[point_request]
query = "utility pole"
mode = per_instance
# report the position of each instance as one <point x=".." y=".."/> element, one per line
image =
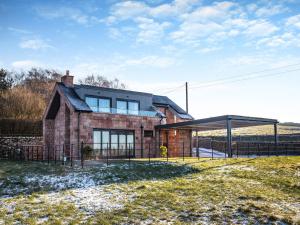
<point x="186" y="97"/>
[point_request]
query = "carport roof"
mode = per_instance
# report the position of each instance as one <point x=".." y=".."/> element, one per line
<point x="219" y="123"/>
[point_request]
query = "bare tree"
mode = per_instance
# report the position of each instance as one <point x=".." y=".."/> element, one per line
<point x="101" y="81"/>
<point x="6" y="80"/>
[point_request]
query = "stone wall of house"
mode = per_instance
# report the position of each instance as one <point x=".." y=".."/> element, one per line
<point x="90" y="121"/>
<point x="55" y="130"/>
<point x="179" y="141"/>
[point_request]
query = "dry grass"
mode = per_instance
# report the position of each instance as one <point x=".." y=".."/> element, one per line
<point x="232" y="191"/>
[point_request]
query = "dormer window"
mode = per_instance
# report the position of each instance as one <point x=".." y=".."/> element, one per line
<point x="128" y="107"/>
<point x="98" y="104"/>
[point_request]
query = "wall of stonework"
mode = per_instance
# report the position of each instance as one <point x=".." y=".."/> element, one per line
<point x="18" y="141"/>
<point x="54" y="130"/>
<point x="90" y="121"/>
<point x="176" y="138"/>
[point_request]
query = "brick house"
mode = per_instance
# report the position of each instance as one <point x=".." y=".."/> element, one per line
<point x="114" y="119"/>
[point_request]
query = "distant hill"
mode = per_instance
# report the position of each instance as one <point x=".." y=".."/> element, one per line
<point x="283" y="129"/>
<point x="290" y="124"/>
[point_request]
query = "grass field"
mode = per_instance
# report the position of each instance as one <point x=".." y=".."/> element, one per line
<point x="232" y="191"/>
<point x="283" y="129"/>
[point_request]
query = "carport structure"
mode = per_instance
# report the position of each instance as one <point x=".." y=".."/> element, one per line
<point x="226" y="122"/>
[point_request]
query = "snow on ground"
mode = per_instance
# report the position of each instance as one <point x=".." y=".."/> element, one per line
<point x="91" y="199"/>
<point x="229" y="168"/>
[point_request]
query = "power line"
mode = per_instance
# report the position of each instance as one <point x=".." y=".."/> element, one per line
<point x="232" y="78"/>
<point x="174" y="89"/>
<point x="247" y="74"/>
<point x="246" y="78"/>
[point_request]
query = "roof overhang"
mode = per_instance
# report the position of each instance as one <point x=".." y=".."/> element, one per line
<point x="218" y="123"/>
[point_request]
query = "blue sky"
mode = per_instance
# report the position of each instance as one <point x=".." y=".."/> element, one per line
<point x="157" y="45"/>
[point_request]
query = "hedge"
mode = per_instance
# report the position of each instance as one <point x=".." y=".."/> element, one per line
<point x="13" y="127"/>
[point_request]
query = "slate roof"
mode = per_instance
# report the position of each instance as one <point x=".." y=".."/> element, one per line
<point x="165" y="101"/>
<point x="79" y="104"/>
<point x="76" y="102"/>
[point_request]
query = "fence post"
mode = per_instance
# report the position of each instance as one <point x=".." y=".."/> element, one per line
<point x="149" y="153"/>
<point x="107" y="155"/>
<point x="63" y="154"/>
<point x="198" y="152"/>
<point x="248" y="145"/>
<point x="183" y="150"/>
<point x="168" y="154"/>
<point x="129" y="154"/>
<point x="237" y="149"/>
<point x="82" y="156"/>
<point x="258" y="149"/>
<point x="71" y="152"/>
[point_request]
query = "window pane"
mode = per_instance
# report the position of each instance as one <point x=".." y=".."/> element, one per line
<point x="105" y="139"/>
<point x="130" y="141"/>
<point x="104" y="105"/>
<point x="133" y="108"/>
<point x="114" y="141"/>
<point x="92" y="103"/>
<point x="122" y="141"/>
<point x="97" y="139"/>
<point x="122" y="107"/>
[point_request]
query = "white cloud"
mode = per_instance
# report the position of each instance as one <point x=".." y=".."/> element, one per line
<point x="283" y="40"/>
<point x="128" y="10"/>
<point x="192" y="32"/>
<point x="261" y="28"/>
<point x="35" y="44"/>
<point x="151" y="61"/>
<point x="18" y="30"/>
<point x="294" y="21"/>
<point x="26" y="64"/>
<point x="131" y="9"/>
<point x="218" y="11"/>
<point x="270" y="10"/>
<point x="68" y="13"/>
<point x="149" y="30"/>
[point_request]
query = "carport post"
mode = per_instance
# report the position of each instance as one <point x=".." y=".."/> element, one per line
<point x="276" y="137"/>
<point x="229" y="137"/>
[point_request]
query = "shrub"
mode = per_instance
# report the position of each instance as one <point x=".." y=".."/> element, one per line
<point x="87" y="151"/>
<point x="163" y="151"/>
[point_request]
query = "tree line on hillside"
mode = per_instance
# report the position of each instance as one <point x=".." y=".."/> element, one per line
<point x="25" y="94"/>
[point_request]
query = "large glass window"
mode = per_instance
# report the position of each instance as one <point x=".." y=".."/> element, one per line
<point x="113" y="142"/>
<point x="105" y="139"/>
<point x="92" y="103"/>
<point x="97" y="140"/>
<point x="127" y="107"/>
<point x="133" y="108"/>
<point x="122" y="107"/>
<point x="104" y="105"/>
<point x="98" y="104"/>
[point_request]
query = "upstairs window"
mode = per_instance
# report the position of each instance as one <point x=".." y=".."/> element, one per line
<point x="92" y="103"/>
<point x="98" y="104"/>
<point x="122" y="107"/>
<point x="127" y="107"/>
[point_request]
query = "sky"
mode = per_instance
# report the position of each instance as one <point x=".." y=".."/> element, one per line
<point x="238" y="57"/>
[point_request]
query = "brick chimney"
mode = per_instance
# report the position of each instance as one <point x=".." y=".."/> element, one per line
<point x="67" y="80"/>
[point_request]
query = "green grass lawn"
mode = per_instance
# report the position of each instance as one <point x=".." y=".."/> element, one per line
<point x="222" y="191"/>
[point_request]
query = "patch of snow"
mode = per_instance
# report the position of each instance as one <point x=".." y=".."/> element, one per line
<point x="90" y="199"/>
<point x="229" y="168"/>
